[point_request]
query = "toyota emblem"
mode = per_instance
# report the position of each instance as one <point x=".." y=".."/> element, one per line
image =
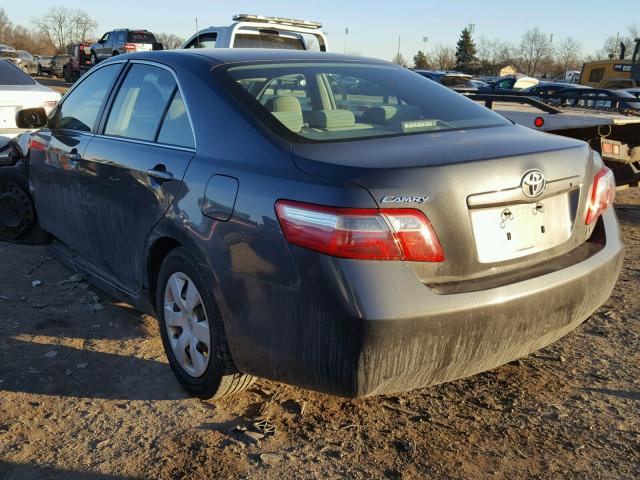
<point x="533" y="183"/>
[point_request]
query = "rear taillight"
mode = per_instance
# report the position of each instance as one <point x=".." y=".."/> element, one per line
<point x="603" y="192"/>
<point x="365" y="234"/>
<point x="130" y="47"/>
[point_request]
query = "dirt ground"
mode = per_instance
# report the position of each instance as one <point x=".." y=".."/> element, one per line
<point x="86" y="393"/>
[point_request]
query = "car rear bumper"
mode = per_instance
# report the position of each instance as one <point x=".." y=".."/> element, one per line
<point x="358" y="328"/>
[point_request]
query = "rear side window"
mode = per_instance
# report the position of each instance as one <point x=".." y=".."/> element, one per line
<point x="206" y="40"/>
<point x="176" y="129"/>
<point x="140" y="37"/>
<point x="79" y="110"/>
<point x="119" y="37"/>
<point x="12" y="75"/>
<point x="141" y="102"/>
<point x="267" y="40"/>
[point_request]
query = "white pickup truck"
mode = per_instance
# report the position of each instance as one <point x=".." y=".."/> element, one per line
<point x="257" y="31"/>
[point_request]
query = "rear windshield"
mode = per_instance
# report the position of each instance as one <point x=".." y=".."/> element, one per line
<point x="267" y="40"/>
<point x="12" y="75"/>
<point x="140" y="37"/>
<point x="331" y="101"/>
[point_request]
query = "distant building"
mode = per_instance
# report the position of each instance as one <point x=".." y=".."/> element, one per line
<point x="507" y="71"/>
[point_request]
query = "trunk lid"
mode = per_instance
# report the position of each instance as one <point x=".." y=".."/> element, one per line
<point x="469" y="184"/>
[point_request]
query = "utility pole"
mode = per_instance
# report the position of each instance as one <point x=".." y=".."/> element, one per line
<point x="197" y="33"/>
<point x="346" y="34"/>
<point x="425" y="39"/>
<point x="398" y="44"/>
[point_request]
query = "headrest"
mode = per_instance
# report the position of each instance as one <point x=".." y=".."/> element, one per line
<point x="331" y="118"/>
<point x="284" y="103"/>
<point x="391" y="113"/>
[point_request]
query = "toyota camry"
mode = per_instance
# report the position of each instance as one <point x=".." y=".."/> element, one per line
<point x="337" y="223"/>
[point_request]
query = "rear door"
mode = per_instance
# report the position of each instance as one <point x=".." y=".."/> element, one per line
<point x="132" y="171"/>
<point x="56" y="155"/>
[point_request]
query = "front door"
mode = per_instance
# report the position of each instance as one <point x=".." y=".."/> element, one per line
<point x="56" y="153"/>
<point x="132" y="172"/>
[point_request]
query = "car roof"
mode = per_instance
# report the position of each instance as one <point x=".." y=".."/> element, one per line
<point x="236" y="55"/>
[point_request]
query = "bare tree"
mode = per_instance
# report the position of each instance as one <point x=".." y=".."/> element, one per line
<point x="398" y="59"/>
<point x="567" y="53"/>
<point x="444" y="57"/>
<point x="65" y="26"/>
<point x="169" y="40"/>
<point x="5" y="27"/>
<point x="82" y="26"/>
<point x="535" y="47"/>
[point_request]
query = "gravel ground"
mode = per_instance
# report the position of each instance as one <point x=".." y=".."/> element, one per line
<point x="86" y="393"/>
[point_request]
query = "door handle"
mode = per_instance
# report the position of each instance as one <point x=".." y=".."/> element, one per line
<point x="161" y="175"/>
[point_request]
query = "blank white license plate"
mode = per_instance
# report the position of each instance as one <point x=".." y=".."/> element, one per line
<point x="7" y="117"/>
<point x="512" y="231"/>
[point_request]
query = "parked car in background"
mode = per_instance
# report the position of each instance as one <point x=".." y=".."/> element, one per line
<point x="598" y="98"/>
<point x="44" y="64"/>
<point x="10" y="56"/>
<point x="19" y="91"/>
<point x="453" y="80"/>
<point x="348" y="242"/>
<point x="633" y="91"/>
<point x="79" y="62"/>
<point x="27" y="62"/>
<point x="517" y="82"/>
<point x="545" y="88"/>
<point x="57" y="64"/>
<point x="124" y="40"/>
<point x="258" y="31"/>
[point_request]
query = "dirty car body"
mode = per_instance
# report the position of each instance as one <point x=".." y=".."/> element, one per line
<point x="386" y="237"/>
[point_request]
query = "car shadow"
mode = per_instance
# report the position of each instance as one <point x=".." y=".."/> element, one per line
<point x="628" y="213"/>
<point x="19" y="471"/>
<point x="629" y="395"/>
<point x="66" y="371"/>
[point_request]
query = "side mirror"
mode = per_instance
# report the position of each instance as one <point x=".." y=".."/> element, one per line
<point x="31" y="118"/>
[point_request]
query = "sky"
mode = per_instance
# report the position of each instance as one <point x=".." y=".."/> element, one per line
<point x="374" y="27"/>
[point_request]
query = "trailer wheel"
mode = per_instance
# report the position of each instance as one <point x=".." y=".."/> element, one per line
<point x="18" y="220"/>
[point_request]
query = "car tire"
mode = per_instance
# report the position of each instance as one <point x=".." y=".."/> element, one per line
<point x="220" y="377"/>
<point x="18" y="219"/>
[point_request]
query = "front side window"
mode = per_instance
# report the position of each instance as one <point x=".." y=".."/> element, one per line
<point x="205" y="40"/>
<point x="80" y="109"/>
<point x="141" y="102"/>
<point x="329" y="101"/>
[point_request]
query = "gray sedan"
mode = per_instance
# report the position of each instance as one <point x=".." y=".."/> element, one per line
<point x="332" y="222"/>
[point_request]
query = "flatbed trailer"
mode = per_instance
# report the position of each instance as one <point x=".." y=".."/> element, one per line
<point x="612" y="132"/>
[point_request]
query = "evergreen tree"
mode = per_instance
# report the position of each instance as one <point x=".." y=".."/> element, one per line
<point x="420" y="60"/>
<point x="466" y="52"/>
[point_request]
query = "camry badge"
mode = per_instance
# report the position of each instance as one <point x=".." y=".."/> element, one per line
<point x="403" y="199"/>
<point x="533" y="183"/>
